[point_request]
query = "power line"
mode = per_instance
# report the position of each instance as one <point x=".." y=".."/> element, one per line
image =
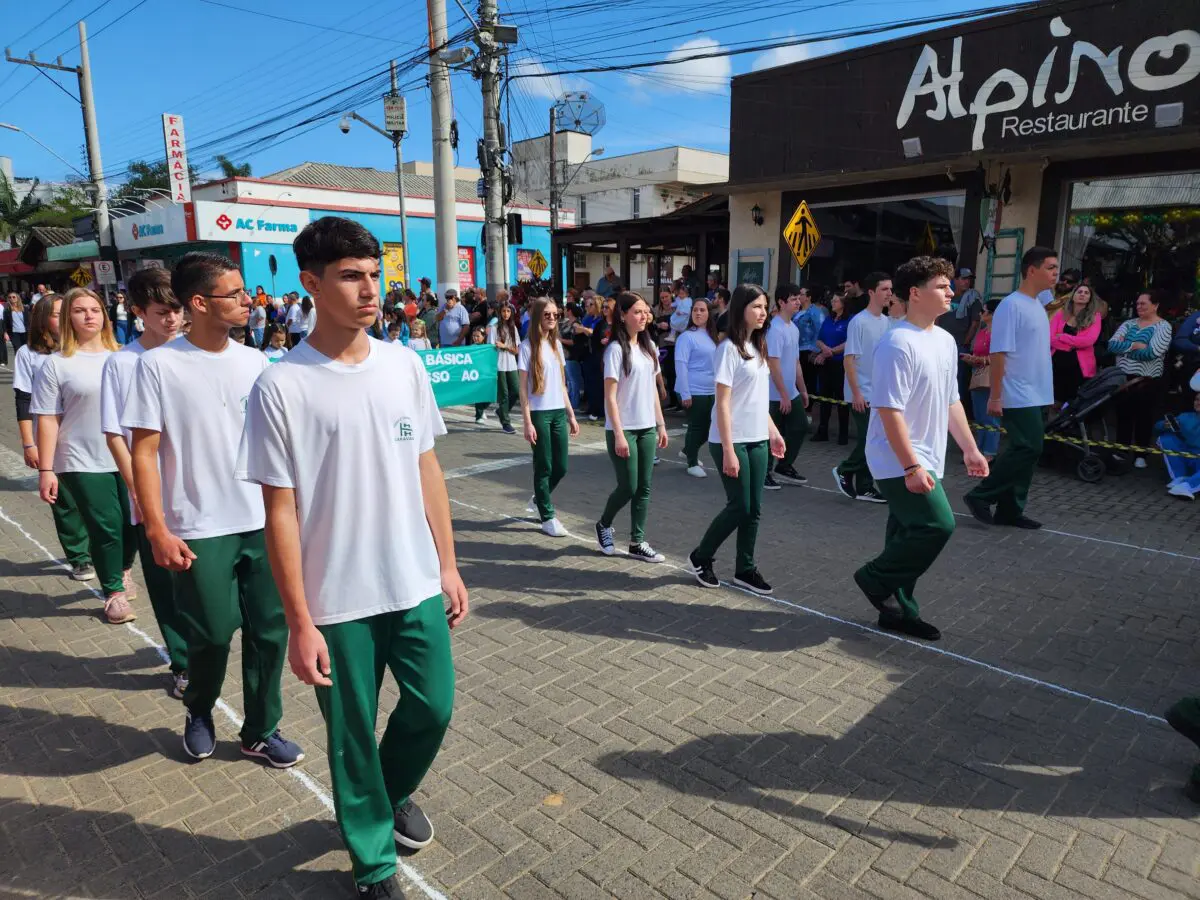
<point x="290" y="21"/>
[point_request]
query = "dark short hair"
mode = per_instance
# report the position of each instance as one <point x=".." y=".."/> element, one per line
<point x="197" y="273"/>
<point x="994" y="304"/>
<point x="725" y="294"/>
<point x="872" y="281"/>
<point x="331" y="238"/>
<point x="918" y="271"/>
<point x="150" y="286"/>
<point x="1034" y="257"/>
<point x="785" y="290"/>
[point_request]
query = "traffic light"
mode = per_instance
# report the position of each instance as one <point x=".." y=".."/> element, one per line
<point x="514" y="228"/>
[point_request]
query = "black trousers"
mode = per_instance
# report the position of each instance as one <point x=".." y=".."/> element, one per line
<point x="832" y="384"/>
<point x="1138" y="407"/>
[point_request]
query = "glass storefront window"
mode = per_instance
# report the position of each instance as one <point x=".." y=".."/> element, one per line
<point x="1127" y="235"/>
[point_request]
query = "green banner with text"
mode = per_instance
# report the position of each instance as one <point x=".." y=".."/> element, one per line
<point x="462" y="375"/>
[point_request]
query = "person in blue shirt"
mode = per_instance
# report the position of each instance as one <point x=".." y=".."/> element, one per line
<point x="1182" y="434"/>
<point x="808" y="322"/>
<point x="831" y="374"/>
<point x="1187" y="344"/>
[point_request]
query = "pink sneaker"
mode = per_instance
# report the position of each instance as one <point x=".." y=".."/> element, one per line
<point x="128" y="585"/>
<point x="117" y="609"/>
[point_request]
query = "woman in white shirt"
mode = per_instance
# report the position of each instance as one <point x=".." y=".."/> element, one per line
<point x="741" y="436"/>
<point x="695" y="350"/>
<point x="72" y="448"/>
<point x="258" y="321"/>
<point x="502" y="332"/>
<point x="633" y="424"/>
<point x="549" y="419"/>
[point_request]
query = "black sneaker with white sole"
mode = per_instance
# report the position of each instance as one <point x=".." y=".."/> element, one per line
<point x="604" y="537"/>
<point x="412" y="827"/>
<point x="845" y="484"/>
<point x="645" y="552"/>
<point x="378" y="889"/>
<point x="703" y="571"/>
<point x="871" y="495"/>
<point x="789" y="475"/>
<point x="770" y="484"/>
<point x="752" y="581"/>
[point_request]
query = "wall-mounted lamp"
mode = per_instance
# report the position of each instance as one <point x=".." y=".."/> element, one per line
<point x="912" y="147"/>
<point x="756" y="214"/>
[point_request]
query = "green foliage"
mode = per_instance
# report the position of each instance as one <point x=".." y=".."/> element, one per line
<point x="17" y="216"/>
<point x="230" y="169"/>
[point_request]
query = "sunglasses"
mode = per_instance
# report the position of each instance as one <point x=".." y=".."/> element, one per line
<point x="550" y="315"/>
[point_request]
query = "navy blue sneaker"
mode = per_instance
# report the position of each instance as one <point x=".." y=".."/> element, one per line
<point x="199" y="736"/>
<point x="276" y="750"/>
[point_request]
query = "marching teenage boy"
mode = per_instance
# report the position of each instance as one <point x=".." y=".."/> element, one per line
<point x="914" y="400"/>
<point x="365" y="574"/>
<point x="186" y="408"/>
<point x="151" y="300"/>
<point x="786" y="385"/>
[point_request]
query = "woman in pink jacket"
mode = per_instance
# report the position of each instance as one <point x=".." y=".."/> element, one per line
<point x="1074" y="331"/>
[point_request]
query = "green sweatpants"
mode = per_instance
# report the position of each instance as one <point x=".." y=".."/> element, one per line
<point x="918" y="527"/>
<point x="371" y="780"/>
<point x="793" y="427"/>
<point x="104" y="507"/>
<point x="633" y="480"/>
<point x="1012" y="471"/>
<point x="72" y="531"/>
<point x="855" y="465"/>
<point x="229" y="586"/>
<point x="160" y="585"/>
<point x="508" y="395"/>
<point x="549" y="456"/>
<point x="699" y="420"/>
<point x="743" y="504"/>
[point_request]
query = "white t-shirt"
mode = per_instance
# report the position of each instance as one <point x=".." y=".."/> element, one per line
<point x="635" y="391"/>
<point x="26" y="367"/>
<point x="324" y="428"/>
<point x="274" y="354"/>
<point x="70" y="386"/>
<point x="749" y="402"/>
<point x="258" y="317"/>
<point x="1021" y="330"/>
<point x="862" y="337"/>
<point x="295" y="319"/>
<point x="310" y="321"/>
<point x="505" y="361"/>
<point x="453" y="323"/>
<point x="197" y="400"/>
<point x="18" y="321"/>
<point x="115" y="382"/>
<point x="122" y="314"/>
<point x="783" y="344"/>
<point x="915" y="372"/>
<point x="553" y="395"/>
<point x="694" y="354"/>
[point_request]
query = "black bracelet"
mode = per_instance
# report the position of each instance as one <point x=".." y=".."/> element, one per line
<point x="910" y="469"/>
<point x="45" y="470"/>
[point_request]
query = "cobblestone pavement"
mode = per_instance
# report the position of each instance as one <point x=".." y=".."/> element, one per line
<point x="620" y="732"/>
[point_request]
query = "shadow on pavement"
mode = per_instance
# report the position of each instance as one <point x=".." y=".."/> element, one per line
<point x="37" y="743"/>
<point x="52" y="669"/>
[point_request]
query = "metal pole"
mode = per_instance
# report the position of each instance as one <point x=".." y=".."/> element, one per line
<point x="95" y="166"/>
<point x="556" y="271"/>
<point x="397" y="138"/>
<point x="493" y="203"/>
<point x="444" y="203"/>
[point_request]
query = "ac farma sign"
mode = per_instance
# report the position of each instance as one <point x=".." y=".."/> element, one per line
<point x="248" y="223"/>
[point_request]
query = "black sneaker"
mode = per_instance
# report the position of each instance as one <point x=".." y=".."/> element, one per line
<point x="845" y="484"/>
<point x="1181" y="717"/>
<point x="979" y="509"/>
<point x="770" y="484"/>
<point x="703" y="571"/>
<point x="645" y="552"/>
<point x="276" y="750"/>
<point x="412" y="827"/>
<point x="820" y="437"/>
<point x="752" y="581"/>
<point x="918" y="628"/>
<point x="604" y="537"/>
<point x="871" y="495"/>
<point x="1023" y="522"/>
<point x="788" y="475"/>
<point x="508" y="429"/>
<point x="199" y="736"/>
<point x="879" y="601"/>
<point x="386" y="888"/>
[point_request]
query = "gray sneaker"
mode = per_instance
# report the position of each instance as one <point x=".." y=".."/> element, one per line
<point x="84" y="572"/>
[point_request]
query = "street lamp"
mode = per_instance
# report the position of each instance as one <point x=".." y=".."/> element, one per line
<point x="43" y="146"/>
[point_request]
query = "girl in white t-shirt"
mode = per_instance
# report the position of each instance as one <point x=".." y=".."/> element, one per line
<point x="549" y="419"/>
<point x="741" y="436"/>
<point x="43" y="340"/>
<point x="72" y="448"/>
<point x="633" y="425"/>
<point x="419" y="339"/>
<point x="503" y="333"/>
<point x="695" y="351"/>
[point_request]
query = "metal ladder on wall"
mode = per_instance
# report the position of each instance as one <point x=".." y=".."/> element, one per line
<point x="1003" y="266"/>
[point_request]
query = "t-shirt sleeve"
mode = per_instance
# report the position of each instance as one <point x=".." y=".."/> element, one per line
<point x="264" y="454"/>
<point x="891" y="377"/>
<point x="110" y="397"/>
<point x="683" y="355"/>
<point x="523" y="357"/>
<point x="612" y="362"/>
<point x="727" y="364"/>
<point x="432" y="424"/>
<point x="22" y="371"/>
<point x="143" y="403"/>
<point x="951" y="372"/>
<point x="1004" y="328"/>
<point x="46" y="399"/>
<point x="854" y="338"/>
<point x="776" y="339"/>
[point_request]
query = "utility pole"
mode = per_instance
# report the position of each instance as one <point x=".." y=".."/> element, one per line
<point x="491" y="156"/>
<point x="445" y="216"/>
<point x="397" y="137"/>
<point x="553" y="170"/>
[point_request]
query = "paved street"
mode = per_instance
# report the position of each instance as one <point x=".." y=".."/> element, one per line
<point x="620" y="732"/>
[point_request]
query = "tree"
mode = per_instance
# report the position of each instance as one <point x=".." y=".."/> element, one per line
<point x="145" y="177"/>
<point x="69" y="202"/>
<point x="17" y="216"/>
<point x="230" y="169"/>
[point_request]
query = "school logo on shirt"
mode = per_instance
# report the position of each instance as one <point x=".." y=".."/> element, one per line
<point x="403" y="429"/>
<point x="245" y="403"/>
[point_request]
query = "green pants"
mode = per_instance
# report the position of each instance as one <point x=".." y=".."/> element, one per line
<point x="793" y="427"/>
<point x="743" y="504"/>
<point x="699" y="420"/>
<point x="508" y="394"/>
<point x="1012" y="471"/>
<point x="104" y="507"/>
<point x="229" y="586"/>
<point x="918" y="527"/>
<point x="160" y="585"/>
<point x="854" y="466"/>
<point x="72" y="531"/>
<point x="633" y="480"/>
<point x="549" y="456"/>
<point x="371" y="780"/>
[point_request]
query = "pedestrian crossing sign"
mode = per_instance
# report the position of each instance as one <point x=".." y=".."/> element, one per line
<point x="82" y="277"/>
<point x="802" y="234"/>
<point x="538" y="264"/>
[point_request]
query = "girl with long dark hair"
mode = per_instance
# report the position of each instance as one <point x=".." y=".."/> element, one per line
<point x="694" y="353"/>
<point x="741" y="437"/>
<point x="634" y="424"/>
<point x="506" y="338"/>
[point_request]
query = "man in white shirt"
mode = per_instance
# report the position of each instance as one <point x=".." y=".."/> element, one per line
<point x="365" y="574"/>
<point x="1022" y="385"/>
<point x="453" y="321"/>
<point x="914" y="401"/>
<point x="853" y="476"/>
<point x="786" y="386"/>
<point x="186" y="410"/>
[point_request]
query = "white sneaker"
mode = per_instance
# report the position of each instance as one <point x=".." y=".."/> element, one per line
<point x="531" y="506"/>
<point x="697" y="472"/>
<point x="1182" y="490"/>
<point x="554" y="528"/>
<point x="1139" y="463"/>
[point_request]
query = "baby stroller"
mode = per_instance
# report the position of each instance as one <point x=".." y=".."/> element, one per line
<point x="1080" y="423"/>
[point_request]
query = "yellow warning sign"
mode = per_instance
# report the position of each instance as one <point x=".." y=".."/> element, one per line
<point x="538" y="264"/>
<point x="82" y="277"/>
<point x="802" y="234"/>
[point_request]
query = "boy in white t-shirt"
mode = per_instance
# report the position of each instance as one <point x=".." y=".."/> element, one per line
<point x="365" y="574"/>
<point x="186" y="410"/>
<point x="914" y="400"/>
<point x="786" y="388"/>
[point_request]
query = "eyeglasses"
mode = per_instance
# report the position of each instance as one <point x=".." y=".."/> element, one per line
<point x="549" y="315"/>
<point x="236" y="295"/>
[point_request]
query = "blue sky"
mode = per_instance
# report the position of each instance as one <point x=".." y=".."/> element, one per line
<point x="230" y="71"/>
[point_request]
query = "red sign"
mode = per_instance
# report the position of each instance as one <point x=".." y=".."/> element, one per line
<point x="466" y="268"/>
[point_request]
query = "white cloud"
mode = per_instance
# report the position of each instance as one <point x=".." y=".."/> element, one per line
<point x="542" y="85"/>
<point x="710" y="75"/>
<point x="781" y="56"/>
